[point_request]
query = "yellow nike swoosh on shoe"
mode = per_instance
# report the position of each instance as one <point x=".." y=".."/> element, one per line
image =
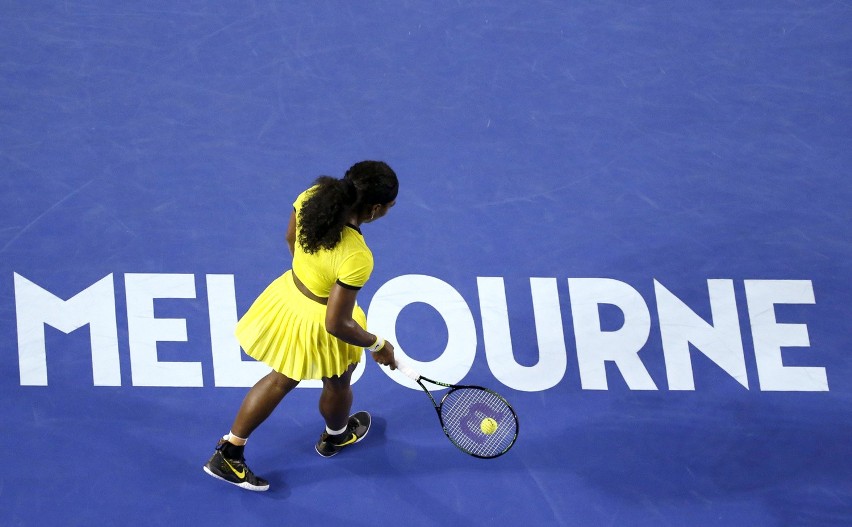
<point x="349" y="441"/>
<point x="240" y="473"/>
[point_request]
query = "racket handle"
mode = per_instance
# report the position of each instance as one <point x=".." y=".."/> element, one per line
<point x="407" y="371"/>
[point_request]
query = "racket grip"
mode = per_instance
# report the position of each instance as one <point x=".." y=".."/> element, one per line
<point x="407" y="371"/>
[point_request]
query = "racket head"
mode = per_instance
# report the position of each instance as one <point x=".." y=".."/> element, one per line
<point x="463" y="410"/>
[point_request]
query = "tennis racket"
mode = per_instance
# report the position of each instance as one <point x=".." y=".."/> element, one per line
<point x="477" y="420"/>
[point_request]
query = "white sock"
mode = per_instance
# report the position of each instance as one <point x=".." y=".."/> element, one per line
<point x="331" y="432"/>
<point x="235" y="440"/>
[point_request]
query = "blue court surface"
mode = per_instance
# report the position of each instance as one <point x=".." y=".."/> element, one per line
<point x="631" y="218"/>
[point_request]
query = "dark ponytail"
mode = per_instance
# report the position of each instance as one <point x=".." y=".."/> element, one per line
<point x="323" y="215"/>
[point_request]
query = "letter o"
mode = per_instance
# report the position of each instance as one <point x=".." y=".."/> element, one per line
<point x="392" y="297"/>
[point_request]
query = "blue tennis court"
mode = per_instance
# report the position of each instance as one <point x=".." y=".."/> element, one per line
<point x="631" y="219"/>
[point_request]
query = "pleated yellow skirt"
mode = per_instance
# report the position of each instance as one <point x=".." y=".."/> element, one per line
<point x="286" y="330"/>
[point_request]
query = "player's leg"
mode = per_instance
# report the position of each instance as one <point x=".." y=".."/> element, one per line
<point x="336" y="399"/>
<point x="335" y="404"/>
<point x="260" y="402"/>
<point x="228" y="461"/>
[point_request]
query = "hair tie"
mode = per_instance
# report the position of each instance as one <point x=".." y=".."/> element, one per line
<point x="351" y="189"/>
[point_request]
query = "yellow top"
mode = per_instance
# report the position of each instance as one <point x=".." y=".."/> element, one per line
<point x="349" y="263"/>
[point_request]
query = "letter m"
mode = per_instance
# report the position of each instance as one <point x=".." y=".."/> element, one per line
<point x="94" y="306"/>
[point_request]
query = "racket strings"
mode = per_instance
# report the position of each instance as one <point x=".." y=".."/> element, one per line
<point x="463" y="411"/>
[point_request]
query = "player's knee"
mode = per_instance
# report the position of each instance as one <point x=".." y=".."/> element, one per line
<point x="281" y="382"/>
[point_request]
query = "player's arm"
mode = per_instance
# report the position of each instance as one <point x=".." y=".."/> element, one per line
<point x="291" y="234"/>
<point x="339" y="322"/>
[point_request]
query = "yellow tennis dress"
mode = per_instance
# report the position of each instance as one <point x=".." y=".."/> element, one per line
<point x="286" y="330"/>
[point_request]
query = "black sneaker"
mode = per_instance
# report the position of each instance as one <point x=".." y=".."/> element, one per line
<point x="359" y="425"/>
<point x="232" y="468"/>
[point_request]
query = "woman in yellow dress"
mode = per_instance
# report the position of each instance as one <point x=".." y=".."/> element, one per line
<point x="307" y="323"/>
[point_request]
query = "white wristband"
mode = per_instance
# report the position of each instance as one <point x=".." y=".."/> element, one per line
<point x="379" y="344"/>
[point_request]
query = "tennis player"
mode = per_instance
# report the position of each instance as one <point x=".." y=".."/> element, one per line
<point x="307" y="323"/>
